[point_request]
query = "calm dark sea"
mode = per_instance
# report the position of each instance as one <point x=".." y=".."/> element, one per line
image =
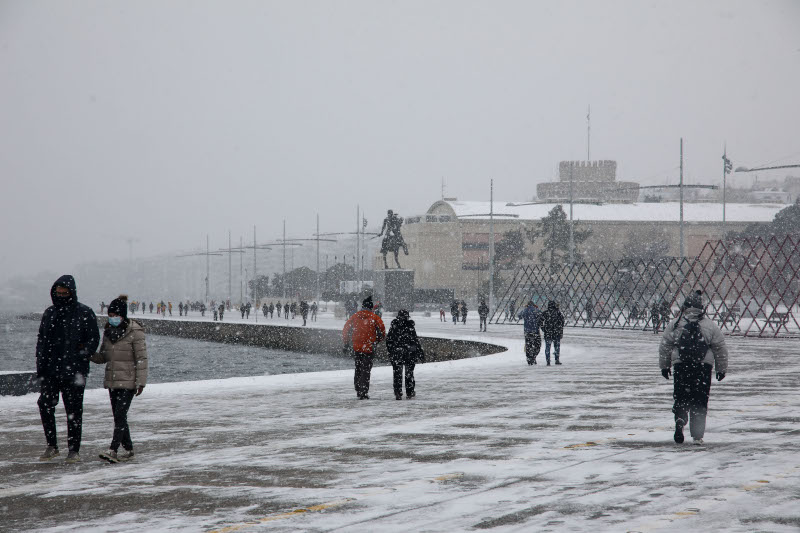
<point x="173" y="359"/>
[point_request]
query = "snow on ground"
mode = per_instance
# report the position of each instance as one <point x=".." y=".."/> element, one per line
<point x="488" y="444"/>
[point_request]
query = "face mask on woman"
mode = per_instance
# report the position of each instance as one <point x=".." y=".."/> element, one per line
<point x="115" y="320"/>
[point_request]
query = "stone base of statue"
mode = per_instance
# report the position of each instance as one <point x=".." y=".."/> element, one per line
<point x="394" y="289"/>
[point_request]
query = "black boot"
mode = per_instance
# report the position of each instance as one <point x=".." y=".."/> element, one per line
<point x="679" y="423"/>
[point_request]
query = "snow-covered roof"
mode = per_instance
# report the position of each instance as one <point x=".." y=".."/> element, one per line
<point x="660" y="212"/>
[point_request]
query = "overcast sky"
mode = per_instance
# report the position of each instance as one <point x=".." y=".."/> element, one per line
<point x="167" y="120"/>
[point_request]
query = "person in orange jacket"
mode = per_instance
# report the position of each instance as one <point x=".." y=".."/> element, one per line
<point x="361" y="333"/>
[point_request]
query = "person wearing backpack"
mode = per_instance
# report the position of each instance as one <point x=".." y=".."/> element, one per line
<point x="692" y="347"/>
<point x="361" y="333"/>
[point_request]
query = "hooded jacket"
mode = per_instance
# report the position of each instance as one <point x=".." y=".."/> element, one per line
<point x="531" y="317"/>
<point x="125" y="360"/>
<point x="717" y="354"/>
<point x="68" y="335"/>
<point x="552" y="322"/>
<point x="403" y="344"/>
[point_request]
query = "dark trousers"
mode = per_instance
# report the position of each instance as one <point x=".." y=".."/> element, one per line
<point x="483" y="323"/>
<point x="556" y="348"/>
<point x="362" y="374"/>
<point x="120" y="403"/>
<point x="71" y="391"/>
<point x="533" y="343"/>
<point x="692" y="386"/>
<point x="397" y="374"/>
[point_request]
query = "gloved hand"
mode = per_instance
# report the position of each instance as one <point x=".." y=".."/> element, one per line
<point x="720" y="376"/>
<point x="665" y="372"/>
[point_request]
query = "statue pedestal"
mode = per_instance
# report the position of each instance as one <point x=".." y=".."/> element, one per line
<point x="394" y="288"/>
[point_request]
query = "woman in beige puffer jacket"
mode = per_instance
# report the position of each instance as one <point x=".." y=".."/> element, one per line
<point x="124" y="353"/>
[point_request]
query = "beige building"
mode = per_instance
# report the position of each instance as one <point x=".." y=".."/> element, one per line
<point x="449" y="244"/>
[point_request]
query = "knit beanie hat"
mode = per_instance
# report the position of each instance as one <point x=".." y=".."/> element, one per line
<point x="119" y="306"/>
<point x="367" y="303"/>
<point x="694" y="299"/>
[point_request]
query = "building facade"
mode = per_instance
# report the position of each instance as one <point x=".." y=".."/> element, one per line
<point x="449" y="244"/>
<point x="588" y="181"/>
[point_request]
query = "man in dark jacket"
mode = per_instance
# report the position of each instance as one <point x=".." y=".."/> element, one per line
<point x="483" y="313"/>
<point x="304" y="311"/>
<point x="404" y="349"/>
<point x="68" y="336"/>
<point x="531" y="317"/>
<point x="553" y="330"/>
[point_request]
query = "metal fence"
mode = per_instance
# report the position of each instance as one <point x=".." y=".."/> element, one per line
<point x="751" y="286"/>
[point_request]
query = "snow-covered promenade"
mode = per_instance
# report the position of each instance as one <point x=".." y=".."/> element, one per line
<point x="489" y="443"/>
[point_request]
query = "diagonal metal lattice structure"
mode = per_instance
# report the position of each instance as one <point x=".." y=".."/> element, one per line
<point x="752" y="287"/>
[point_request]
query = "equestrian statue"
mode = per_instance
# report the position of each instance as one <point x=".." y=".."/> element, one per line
<point x="393" y="239"/>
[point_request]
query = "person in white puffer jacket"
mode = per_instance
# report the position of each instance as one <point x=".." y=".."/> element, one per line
<point x="692" y="373"/>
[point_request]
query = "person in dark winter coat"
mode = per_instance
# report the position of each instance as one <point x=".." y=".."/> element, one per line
<point x="361" y="333"/>
<point x="405" y="350"/>
<point x="463" y="310"/>
<point x="286" y="310"/>
<point x="553" y="330"/>
<point x="124" y="353"/>
<point x="304" y="311"/>
<point x="454" y="309"/>
<point x="693" y="358"/>
<point x="531" y="317"/>
<point x="221" y="311"/>
<point x="68" y="336"/>
<point x="483" y="313"/>
<point x="655" y="317"/>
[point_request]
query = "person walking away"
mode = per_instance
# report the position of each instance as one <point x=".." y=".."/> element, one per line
<point x="454" y="311"/>
<point x="531" y="316"/>
<point x="665" y="311"/>
<point x="405" y="350"/>
<point x="314" y="308"/>
<point x="264" y="309"/>
<point x="286" y="310"/>
<point x="293" y="309"/>
<point x="361" y="333"/>
<point x="655" y="317"/>
<point x="221" y="311"/>
<point x="169" y="306"/>
<point x="124" y="352"/>
<point x="483" y="314"/>
<point x="241" y="310"/>
<point x="304" y="310"/>
<point x="68" y="335"/>
<point x="271" y="310"/>
<point x="553" y="330"/>
<point x="278" y="307"/>
<point x="247" y="309"/>
<point x="180" y="308"/>
<point x="102" y="307"/>
<point x="151" y="308"/>
<point x="442" y="316"/>
<point x="692" y="346"/>
<point x="463" y="312"/>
